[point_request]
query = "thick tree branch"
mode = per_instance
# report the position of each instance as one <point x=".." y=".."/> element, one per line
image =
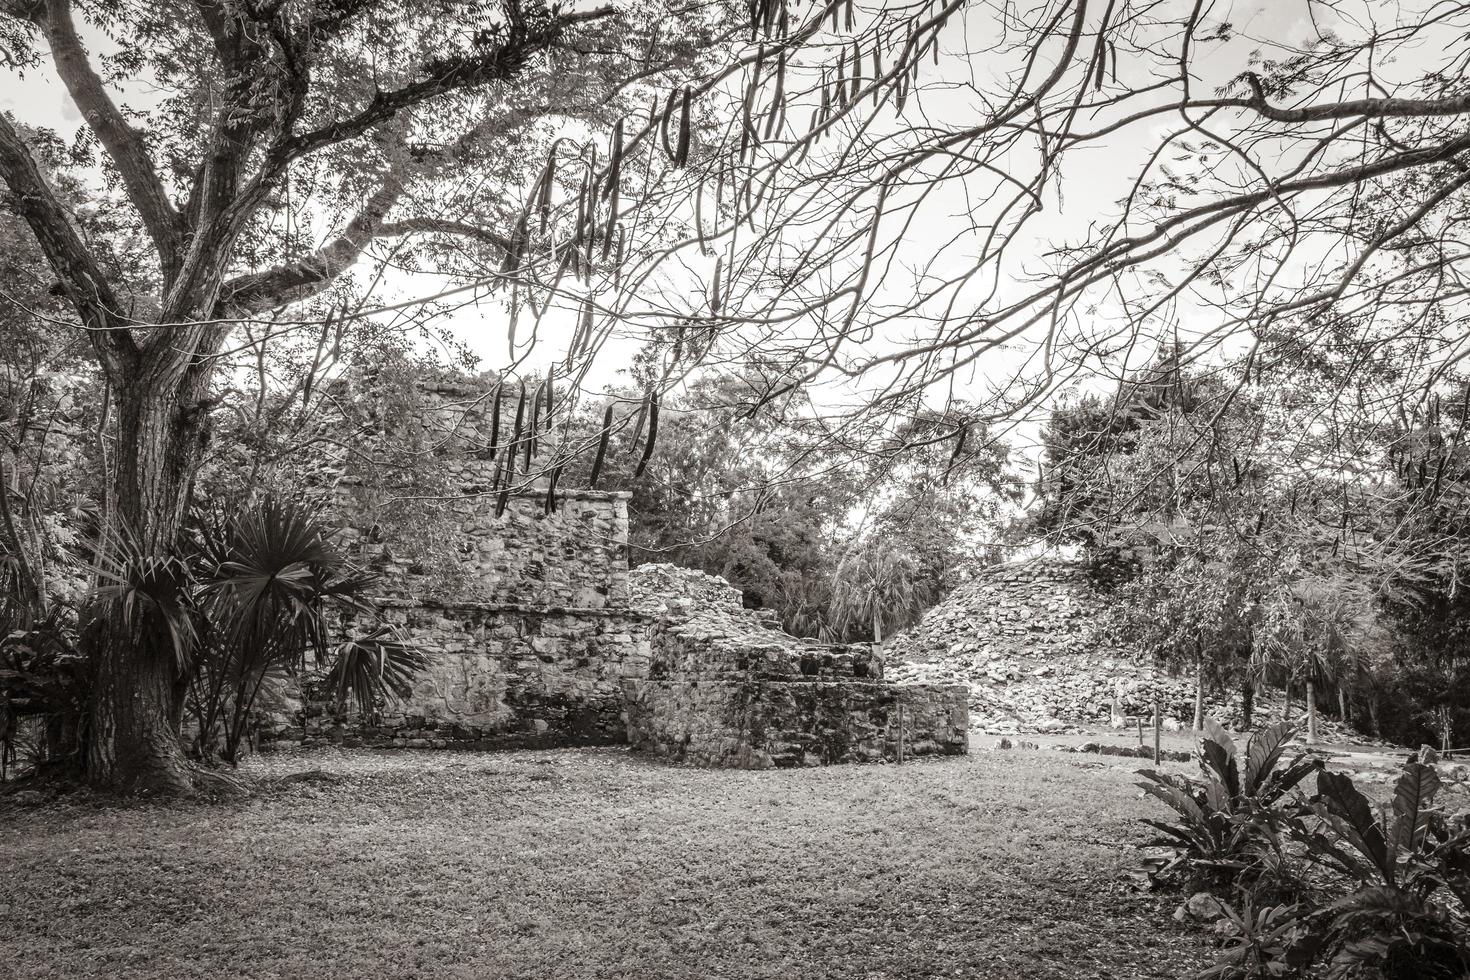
<point x="294" y="281"/>
<point x="123" y="143"/>
<point x="71" y="260"/>
<point x="523" y="41"/>
<point x="1373" y="108"/>
<point x="444" y="226"/>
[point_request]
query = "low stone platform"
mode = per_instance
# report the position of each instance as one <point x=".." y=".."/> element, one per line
<point x="724" y="689"/>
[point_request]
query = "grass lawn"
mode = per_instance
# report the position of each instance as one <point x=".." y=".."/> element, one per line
<point x="594" y="863"/>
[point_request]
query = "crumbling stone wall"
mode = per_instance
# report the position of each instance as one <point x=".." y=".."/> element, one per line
<point x="545" y="638"/>
<point x="573" y="557"/>
<point x="724" y="689"/>
<point x="535" y="651"/>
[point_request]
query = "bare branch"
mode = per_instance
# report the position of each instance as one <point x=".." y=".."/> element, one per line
<point x="523" y="41"/>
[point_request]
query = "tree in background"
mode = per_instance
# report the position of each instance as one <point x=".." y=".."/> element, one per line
<point x="739" y="490"/>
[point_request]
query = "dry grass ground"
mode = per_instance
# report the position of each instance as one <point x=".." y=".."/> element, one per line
<point x="594" y="863"/>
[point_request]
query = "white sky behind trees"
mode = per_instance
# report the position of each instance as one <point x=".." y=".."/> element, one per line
<point x="1092" y="180"/>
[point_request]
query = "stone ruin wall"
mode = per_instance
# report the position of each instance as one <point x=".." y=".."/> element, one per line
<point x="546" y="638"/>
<point x="723" y="689"/>
<point x="535" y="651"/>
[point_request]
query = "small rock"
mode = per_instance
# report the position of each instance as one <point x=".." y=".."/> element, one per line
<point x="1204" y="906"/>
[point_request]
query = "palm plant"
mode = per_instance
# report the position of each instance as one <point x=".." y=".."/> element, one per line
<point x="878" y="586"/>
<point x="253" y="596"/>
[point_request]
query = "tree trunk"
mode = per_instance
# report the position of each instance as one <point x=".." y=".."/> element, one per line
<point x="1342" y="704"/>
<point x="1286" y="707"/>
<point x="1311" y="713"/>
<point x="1373" y="712"/>
<point x="138" y="684"/>
<point x="1199" y="693"/>
<point x="877" y="626"/>
<point x="1247" y="703"/>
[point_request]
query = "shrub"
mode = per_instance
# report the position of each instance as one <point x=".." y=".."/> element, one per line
<point x="254" y="595"/>
<point x="1407" y="914"/>
<point x="43" y="693"/>
<point x="1391" y="893"/>
<point x="1230" y="819"/>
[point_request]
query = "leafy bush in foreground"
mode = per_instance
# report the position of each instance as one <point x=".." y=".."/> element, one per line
<point x="1390" y="897"/>
<point x="1230" y="818"/>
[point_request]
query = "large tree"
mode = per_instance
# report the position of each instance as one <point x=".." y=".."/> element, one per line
<point x="276" y="146"/>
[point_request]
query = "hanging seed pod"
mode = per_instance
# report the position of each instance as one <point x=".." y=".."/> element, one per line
<point x="532" y="442"/>
<point x="715" y="301"/>
<point x="681" y="153"/>
<point x="618" y="261"/>
<point x="550" y="387"/>
<point x="877" y="72"/>
<point x="748" y="105"/>
<point x="495" y="422"/>
<point x="1236" y="463"/>
<point x="545" y="184"/>
<point x="612" y="190"/>
<point x="652" y="434"/>
<point x="1438" y="475"/>
<point x="515" y="313"/>
<point x="962" y="433"/>
<point x="602" y="441"/>
<point x="639" y="422"/>
<point x="778" y="99"/>
<point x="857" y="72"/>
<point x="550" y="505"/>
<point x="581" y="226"/>
<point x="699" y="218"/>
<point x="614" y="163"/>
<point x="516" y="429"/>
<point x="772" y="6"/>
<point x="850" y="13"/>
<point x="842" y="78"/>
<point x="584" y="328"/>
<point x="678" y="353"/>
<point x="664" y="120"/>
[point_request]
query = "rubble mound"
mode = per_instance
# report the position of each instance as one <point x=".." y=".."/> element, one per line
<point x="1018" y="636"/>
<point x="672" y="592"/>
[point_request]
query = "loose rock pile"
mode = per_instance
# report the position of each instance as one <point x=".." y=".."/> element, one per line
<point x="1018" y="636"/>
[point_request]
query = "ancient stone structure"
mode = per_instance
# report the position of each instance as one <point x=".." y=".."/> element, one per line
<point x="536" y="651"/>
<point x="545" y="638"/>
<point x="1020" y="635"/>
<point x="724" y="689"/>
